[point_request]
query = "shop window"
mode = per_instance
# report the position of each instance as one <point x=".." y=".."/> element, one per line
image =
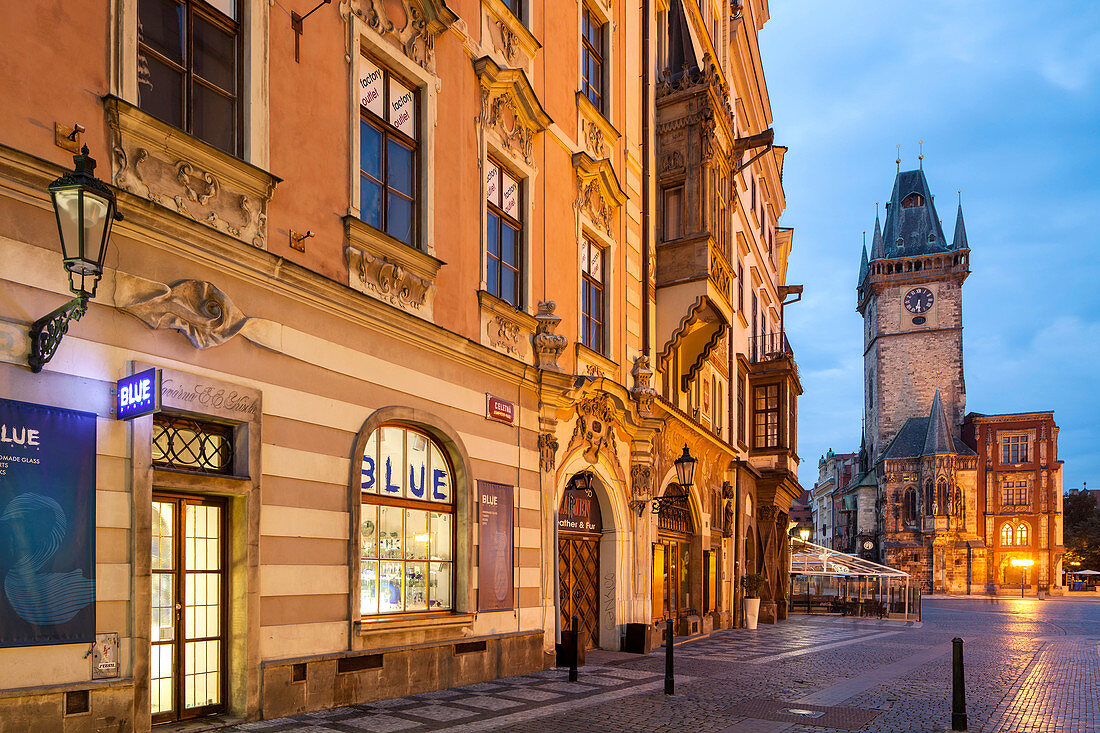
<point x="766" y="416"/>
<point x="593" y="298"/>
<point x="406" y="539"/>
<point x="592" y="57"/>
<point x="503" y="235"/>
<point x="192" y="445"/>
<point x="1013" y="449"/>
<point x="388" y="152"/>
<point x="189" y="68"/>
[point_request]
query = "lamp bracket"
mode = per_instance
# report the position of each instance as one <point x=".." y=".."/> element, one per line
<point x="638" y="506"/>
<point x="660" y="503"/>
<point x="296" y="25"/>
<point x="46" y="333"/>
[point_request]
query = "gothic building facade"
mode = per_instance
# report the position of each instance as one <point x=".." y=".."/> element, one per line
<point x="940" y="495"/>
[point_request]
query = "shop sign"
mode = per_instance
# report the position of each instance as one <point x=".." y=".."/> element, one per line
<point x="579" y="512"/>
<point x="47" y="525"/>
<point x="495" y="562"/>
<point x="137" y="395"/>
<point x="500" y="410"/>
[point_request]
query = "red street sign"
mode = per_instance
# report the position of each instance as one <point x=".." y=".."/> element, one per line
<point x="500" y="410"/>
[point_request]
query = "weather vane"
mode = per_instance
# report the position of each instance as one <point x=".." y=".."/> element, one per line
<point x="921" y="156"/>
<point x="898" y="161"/>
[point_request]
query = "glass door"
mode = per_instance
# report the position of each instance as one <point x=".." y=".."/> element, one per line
<point x="188" y="641"/>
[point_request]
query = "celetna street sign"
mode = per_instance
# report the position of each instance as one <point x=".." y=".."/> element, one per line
<point x="138" y="394"/>
<point x="500" y="410"/>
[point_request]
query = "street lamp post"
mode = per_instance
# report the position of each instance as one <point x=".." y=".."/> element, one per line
<point x="85" y="210"/>
<point x="1023" y="563"/>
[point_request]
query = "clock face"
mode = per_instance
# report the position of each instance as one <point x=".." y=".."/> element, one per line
<point x="868" y="545"/>
<point x="918" y="300"/>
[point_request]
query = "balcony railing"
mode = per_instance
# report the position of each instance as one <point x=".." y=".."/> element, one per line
<point x="769" y="346"/>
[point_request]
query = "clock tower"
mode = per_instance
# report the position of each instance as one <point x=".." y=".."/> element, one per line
<point x="910" y="297"/>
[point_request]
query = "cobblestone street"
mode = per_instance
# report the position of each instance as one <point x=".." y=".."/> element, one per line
<point x="1030" y="666"/>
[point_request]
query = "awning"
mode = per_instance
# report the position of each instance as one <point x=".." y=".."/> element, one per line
<point x="810" y="559"/>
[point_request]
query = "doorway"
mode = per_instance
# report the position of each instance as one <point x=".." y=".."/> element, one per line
<point x="579" y="530"/>
<point x="672" y="572"/>
<point x="187" y="656"/>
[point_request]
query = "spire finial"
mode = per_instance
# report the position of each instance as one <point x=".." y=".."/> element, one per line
<point x="937" y="380"/>
<point x="865" y="239"/>
<point x="876" y="209"/>
<point x="921" y="156"/>
<point x="960" y="197"/>
<point x="898" y="161"/>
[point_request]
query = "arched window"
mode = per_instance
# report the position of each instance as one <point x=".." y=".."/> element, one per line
<point x="909" y="505"/>
<point x="406" y="540"/>
<point x="1006" y="535"/>
<point x="1021" y="534"/>
<point x="911" y="201"/>
<point x="941" y="497"/>
<point x="929" y="499"/>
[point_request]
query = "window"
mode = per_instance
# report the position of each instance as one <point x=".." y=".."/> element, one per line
<point x="593" y="315"/>
<point x="766" y="416"/>
<point x="592" y="44"/>
<point x="741" y="286"/>
<point x="929" y="498"/>
<point x="909" y="505"/>
<point x="1013" y="449"/>
<point x="741" y="408"/>
<point x="671" y="214"/>
<point x="870" y="391"/>
<point x="406" y="539"/>
<point x="912" y="201"/>
<point x="192" y="445"/>
<point x="1021" y="534"/>
<point x="1014" y="493"/>
<point x="516" y="8"/>
<point x="941" y="497"/>
<point x="189" y="68"/>
<point x="503" y="235"/>
<point x="387" y="153"/>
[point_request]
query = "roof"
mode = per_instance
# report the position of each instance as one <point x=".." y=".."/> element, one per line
<point x="913" y="230"/>
<point x="960" y="231"/>
<point x="910" y="441"/>
<point x="937" y="439"/>
<point x="810" y="559"/>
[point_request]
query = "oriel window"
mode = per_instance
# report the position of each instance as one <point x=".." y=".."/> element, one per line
<point x="766" y="416"/>
<point x="503" y="235"/>
<point x="592" y="61"/>
<point x="189" y="64"/>
<point x="593" y="304"/>
<point x="388" y="152"/>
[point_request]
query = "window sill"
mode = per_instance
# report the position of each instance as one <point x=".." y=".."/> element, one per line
<point x="504" y="327"/>
<point x="389" y="270"/>
<point x="592" y="363"/>
<point x="158" y="162"/>
<point x="511" y="39"/>
<point x="598" y="135"/>
<point x="367" y="626"/>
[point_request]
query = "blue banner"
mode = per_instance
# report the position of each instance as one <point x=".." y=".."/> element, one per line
<point x="47" y="525"/>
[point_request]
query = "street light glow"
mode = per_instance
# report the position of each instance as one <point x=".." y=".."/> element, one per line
<point x="1022" y="562"/>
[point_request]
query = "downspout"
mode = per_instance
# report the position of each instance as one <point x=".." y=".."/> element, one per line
<point x="647" y="173"/>
<point x="736" y="542"/>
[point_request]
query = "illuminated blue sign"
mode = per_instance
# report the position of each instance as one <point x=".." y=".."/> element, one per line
<point x="138" y="394"/>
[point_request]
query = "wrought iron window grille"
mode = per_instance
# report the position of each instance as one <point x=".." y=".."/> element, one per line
<point x="192" y="445"/>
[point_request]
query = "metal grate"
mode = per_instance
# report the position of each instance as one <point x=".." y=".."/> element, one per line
<point x="193" y="445"/>
<point x="675" y="517"/>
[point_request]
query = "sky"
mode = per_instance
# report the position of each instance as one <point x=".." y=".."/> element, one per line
<point x="1006" y="98"/>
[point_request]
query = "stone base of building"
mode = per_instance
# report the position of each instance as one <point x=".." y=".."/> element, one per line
<point x="295" y="686"/>
<point x="107" y="706"/>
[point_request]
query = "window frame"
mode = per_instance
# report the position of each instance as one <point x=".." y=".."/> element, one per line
<point x="388" y="131"/>
<point x="742" y="415"/>
<point x="504" y="219"/>
<point x="1016" y="445"/>
<point x="378" y="499"/>
<point x="599" y="288"/>
<point x="235" y="27"/>
<point x="589" y="53"/>
<point x="769" y="439"/>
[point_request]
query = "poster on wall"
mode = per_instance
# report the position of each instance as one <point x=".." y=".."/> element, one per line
<point x="47" y="525"/>
<point x="495" y="566"/>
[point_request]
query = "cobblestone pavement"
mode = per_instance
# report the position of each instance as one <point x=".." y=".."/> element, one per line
<point x="1030" y="666"/>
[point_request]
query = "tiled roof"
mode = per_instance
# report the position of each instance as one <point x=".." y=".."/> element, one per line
<point x="915" y="230"/>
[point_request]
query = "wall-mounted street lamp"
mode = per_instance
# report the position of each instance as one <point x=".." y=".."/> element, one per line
<point x="685" y="476"/>
<point x="583" y="481"/>
<point x="804" y="534"/>
<point x="85" y="210"/>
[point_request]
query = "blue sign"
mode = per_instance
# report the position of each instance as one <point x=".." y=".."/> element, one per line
<point x="138" y="394"/>
<point x="47" y="525"/>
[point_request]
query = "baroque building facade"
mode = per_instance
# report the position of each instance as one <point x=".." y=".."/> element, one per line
<point x="931" y="494"/>
<point x="430" y="321"/>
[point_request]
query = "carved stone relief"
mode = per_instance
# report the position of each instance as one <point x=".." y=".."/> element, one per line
<point x="548" y="452"/>
<point x="548" y="344"/>
<point x="195" y="308"/>
<point x="500" y="113"/>
<point x="508" y="44"/>
<point x="591" y="203"/>
<point x="389" y="282"/>
<point x="642" y="392"/>
<point x="593" y="138"/>
<point x="595" y="427"/>
<point x="402" y="21"/>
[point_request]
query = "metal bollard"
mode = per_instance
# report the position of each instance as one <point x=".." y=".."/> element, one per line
<point x="669" y="682"/>
<point x="958" y="687"/>
<point x="576" y="650"/>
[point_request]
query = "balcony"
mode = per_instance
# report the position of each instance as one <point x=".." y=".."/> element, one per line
<point x="769" y="347"/>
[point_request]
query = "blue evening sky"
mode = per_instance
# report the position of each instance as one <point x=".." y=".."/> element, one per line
<point x="1006" y="98"/>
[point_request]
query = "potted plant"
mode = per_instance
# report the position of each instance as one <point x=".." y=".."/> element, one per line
<point x="752" y="583"/>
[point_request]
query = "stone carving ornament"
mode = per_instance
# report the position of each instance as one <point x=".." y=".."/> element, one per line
<point x="642" y="392"/>
<point x="548" y="345"/>
<point x="641" y="481"/>
<point x="548" y="451"/>
<point x="404" y="22"/>
<point x="501" y="114"/>
<point x="591" y="203"/>
<point x="195" y="308"/>
<point x="595" y="426"/>
<point x="388" y="281"/>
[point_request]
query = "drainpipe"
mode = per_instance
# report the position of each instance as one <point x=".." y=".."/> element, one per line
<point x="736" y="541"/>
<point x="647" y="174"/>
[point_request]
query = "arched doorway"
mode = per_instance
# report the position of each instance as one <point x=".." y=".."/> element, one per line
<point x="672" y="597"/>
<point x="580" y="527"/>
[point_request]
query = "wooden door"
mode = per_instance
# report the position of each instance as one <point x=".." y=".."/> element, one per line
<point x="188" y="639"/>
<point x="578" y="581"/>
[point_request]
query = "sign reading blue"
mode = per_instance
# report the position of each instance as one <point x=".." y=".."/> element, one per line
<point x="138" y="394"/>
<point x="47" y="525"/>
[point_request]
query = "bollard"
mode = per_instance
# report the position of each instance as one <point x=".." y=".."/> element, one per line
<point x="576" y="650"/>
<point x="669" y="683"/>
<point x="958" y="687"/>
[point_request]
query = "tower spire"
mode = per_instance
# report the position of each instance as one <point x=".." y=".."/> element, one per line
<point x="937" y="439"/>
<point x="959" y="241"/>
<point x="878" y="248"/>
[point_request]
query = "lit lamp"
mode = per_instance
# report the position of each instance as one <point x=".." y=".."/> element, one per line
<point x="85" y="210"/>
<point x="804" y="534"/>
<point x="685" y="476"/>
<point x="583" y="481"/>
<point x="1023" y="563"/>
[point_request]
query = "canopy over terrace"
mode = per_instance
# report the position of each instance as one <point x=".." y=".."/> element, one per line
<point x="824" y="580"/>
